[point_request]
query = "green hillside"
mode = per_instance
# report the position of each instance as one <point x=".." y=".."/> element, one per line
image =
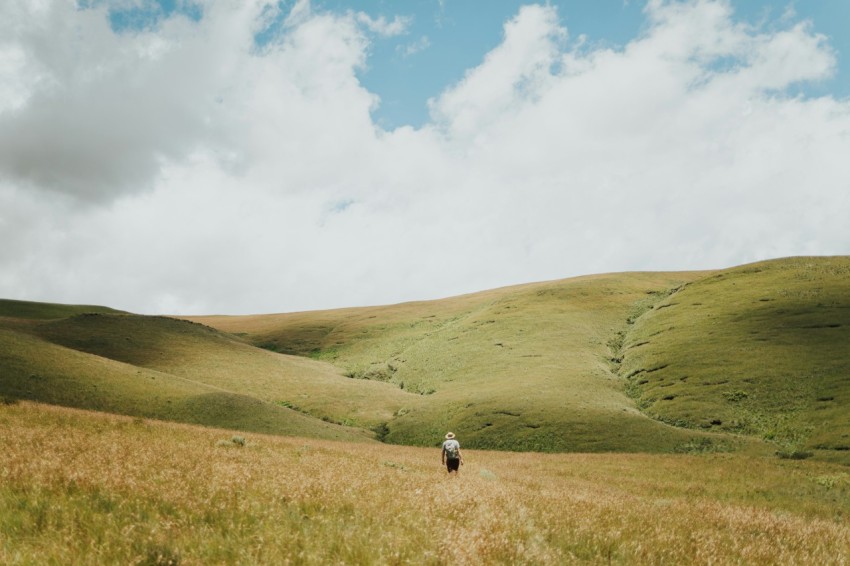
<point x="155" y="367"/>
<point x="520" y="368"/>
<point x="752" y="357"/>
<point x="45" y="311"/>
<point x="760" y="349"/>
<point x="202" y="354"/>
<point x="588" y="363"/>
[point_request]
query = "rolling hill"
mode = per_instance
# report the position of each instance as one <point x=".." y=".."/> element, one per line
<point x="632" y="362"/>
<point x="760" y="350"/>
<point x="520" y="368"/>
<point x="162" y="368"/>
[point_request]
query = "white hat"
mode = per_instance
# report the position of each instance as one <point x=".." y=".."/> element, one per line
<point x="450" y="435"/>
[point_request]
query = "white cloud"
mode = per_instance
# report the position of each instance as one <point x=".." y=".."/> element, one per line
<point x="511" y="73"/>
<point x="414" y="47"/>
<point x="104" y="111"/>
<point x="186" y="169"/>
<point x="381" y="26"/>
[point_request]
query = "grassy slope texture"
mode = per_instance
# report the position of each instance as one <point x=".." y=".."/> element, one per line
<point x="624" y="362"/>
<point x="761" y="349"/>
<point x="523" y="368"/>
<point x="163" y="368"/>
<point x="653" y="362"/>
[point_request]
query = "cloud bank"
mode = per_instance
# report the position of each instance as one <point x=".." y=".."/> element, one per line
<point x="188" y="167"/>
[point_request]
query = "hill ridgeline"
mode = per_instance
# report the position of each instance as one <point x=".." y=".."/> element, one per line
<point x="752" y="357"/>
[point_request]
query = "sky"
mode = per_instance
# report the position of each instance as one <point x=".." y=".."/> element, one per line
<point x="237" y="157"/>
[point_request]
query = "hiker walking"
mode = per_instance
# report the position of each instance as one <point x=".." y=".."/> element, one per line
<point x="452" y="457"/>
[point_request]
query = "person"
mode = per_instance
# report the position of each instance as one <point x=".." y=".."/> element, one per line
<point x="452" y="458"/>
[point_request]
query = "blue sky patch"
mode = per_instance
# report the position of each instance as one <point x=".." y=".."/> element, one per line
<point x="446" y="38"/>
<point x="147" y="15"/>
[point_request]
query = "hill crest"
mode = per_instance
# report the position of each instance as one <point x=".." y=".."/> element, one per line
<point x="612" y="362"/>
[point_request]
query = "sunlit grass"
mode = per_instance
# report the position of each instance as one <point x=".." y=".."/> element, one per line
<point x="89" y="488"/>
<point x="760" y="349"/>
<point x="520" y="368"/>
<point x="171" y="369"/>
<point x="634" y="362"/>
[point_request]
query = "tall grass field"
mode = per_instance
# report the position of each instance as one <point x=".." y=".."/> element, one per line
<point x="90" y="488"/>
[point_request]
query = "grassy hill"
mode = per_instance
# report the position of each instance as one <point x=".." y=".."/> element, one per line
<point x="633" y="362"/>
<point x="45" y="311"/>
<point x="169" y="369"/>
<point x="520" y="368"/>
<point x="201" y="354"/>
<point x="760" y="349"/>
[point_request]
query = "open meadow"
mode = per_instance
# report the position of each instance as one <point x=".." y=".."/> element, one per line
<point x="90" y="488"/>
<point x="633" y="418"/>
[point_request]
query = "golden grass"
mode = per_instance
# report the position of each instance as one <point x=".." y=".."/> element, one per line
<point x="88" y="488"/>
